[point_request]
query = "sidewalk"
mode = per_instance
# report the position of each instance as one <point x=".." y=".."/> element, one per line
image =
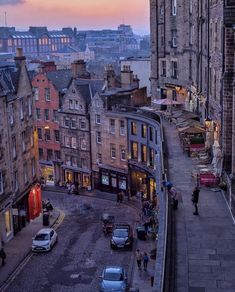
<point x="205" y="244"/>
<point x="20" y="246"/>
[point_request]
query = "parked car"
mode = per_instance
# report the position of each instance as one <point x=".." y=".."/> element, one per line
<point x="113" y="279"/>
<point x="44" y="240"/>
<point x="122" y="236"/>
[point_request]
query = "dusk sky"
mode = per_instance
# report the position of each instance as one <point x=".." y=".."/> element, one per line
<point x="83" y="14"/>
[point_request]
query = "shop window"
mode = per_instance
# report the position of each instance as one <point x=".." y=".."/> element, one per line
<point x="133" y="128"/>
<point x="143" y="131"/>
<point x="8" y="222"/>
<point x="114" y="181"/>
<point x="122" y="183"/>
<point x="113" y="151"/>
<point x="105" y="179"/>
<point x="143" y="153"/>
<point x="1" y="183"/>
<point x="134" y="150"/>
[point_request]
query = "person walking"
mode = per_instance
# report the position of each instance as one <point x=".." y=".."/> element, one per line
<point x="195" y="199"/>
<point x="138" y="256"/>
<point x="3" y="256"/>
<point x="145" y="261"/>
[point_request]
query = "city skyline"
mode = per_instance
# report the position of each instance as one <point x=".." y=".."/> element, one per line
<point x="81" y="14"/>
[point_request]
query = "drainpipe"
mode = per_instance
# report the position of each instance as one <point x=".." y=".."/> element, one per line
<point x="208" y="60"/>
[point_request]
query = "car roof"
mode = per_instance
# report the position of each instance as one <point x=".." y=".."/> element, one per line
<point x="45" y="230"/>
<point x="122" y="226"/>
<point x="113" y="269"/>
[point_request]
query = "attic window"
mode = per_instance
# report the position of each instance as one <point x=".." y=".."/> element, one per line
<point x="73" y="90"/>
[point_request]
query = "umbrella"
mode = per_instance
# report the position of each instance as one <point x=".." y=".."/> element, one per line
<point x="192" y="130"/>
<point x="166" y="101"/>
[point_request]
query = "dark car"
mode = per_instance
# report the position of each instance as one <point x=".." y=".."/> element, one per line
<point x="113" y="279"/>
<point x="122" y="236"/>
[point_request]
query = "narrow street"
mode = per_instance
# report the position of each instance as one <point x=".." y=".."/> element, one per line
<point x="82" y="251"/>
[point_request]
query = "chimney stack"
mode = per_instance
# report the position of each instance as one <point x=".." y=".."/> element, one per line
<point x="110" y="77"/>
<point x="19" y="58"/>
<point x="79" y="70"/>
<point x="126" y="76"/>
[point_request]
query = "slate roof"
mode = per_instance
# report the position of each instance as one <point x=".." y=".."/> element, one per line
<point x="8" y="81"/>
<point x="89" y="87"/>
<point x="60" y="78"/>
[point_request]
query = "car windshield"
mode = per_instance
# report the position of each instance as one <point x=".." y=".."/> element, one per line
<point x="41" y="237"/>
<point x="111" y="276"/>
<point x="120" y="233"/>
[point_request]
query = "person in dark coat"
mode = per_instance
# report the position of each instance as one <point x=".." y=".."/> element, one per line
<point x="3" y="256"/>
<point x="195" y="199"/>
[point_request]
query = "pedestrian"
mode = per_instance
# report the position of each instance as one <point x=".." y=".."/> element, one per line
<point x="195" y="199"/>
<point x="145" y="261"/>
<point x="175" y="194"/>
<point x="3" y="256"/>
<point x="138" y="256"/>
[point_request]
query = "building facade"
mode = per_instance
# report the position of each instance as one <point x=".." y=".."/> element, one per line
<point x="49" y="86"/>
<point x="19" y="177"/>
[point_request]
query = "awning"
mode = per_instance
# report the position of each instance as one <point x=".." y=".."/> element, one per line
<point x="76" y="169"/>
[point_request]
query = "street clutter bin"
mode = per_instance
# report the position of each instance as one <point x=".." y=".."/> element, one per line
<point x="141" y="234"/>
<point x="46" y="219"/>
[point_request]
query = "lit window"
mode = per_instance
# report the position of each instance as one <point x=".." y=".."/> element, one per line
<point x="133" y="128"/>
<point x="134" y="150"/>
<point x="143" y="131"/>
<point x="143" y="153"/>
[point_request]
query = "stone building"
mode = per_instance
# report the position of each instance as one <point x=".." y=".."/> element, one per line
<point x="20" y="191"/>
<point x="109" y="128"/>
<point x="49" y="86"/>
<point x="75" y="126"/>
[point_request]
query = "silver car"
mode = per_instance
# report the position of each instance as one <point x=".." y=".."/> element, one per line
<point x="44" y="240"/>
<point x="113" y="279"/>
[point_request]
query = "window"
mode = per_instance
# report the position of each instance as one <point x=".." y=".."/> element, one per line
<point x="36" y="93"/>
<point x="122" y="128"/>
<point x="215" y="85"/>
<point x="83" y="144"/>
<point x="21" y="109"/>
<point x="190" y="6"/>
<point x="74" y="161"/>
<point x="151" y="134"/>
<point x="66" y="122"/>
<point x="143" y="153"/>
<point x="57" y="135"/>
<point x="16" y="184"/>
<point x="173" y="7"/>
<point x="98" y="137"/>
<point x="33" y="166"/>
<point x="39" y="133"/>
<point x="55" y="116"/>
<point x="46" y="114"/>
<point x="76" y="105"/>
<point x="156" y="140"/>
<point x="151" y="157"/>
<point x="97" y="119"/>
<point x="112" y="126"/>
<point x="82" y="125"/>
<point x="14" y="147"/>
<point x="174" y="38"/>
<point x="40" y="152"/>
<point x="67" y="141"/>
<point x="74" y="142"/>
<point x="71" y="104"/>
<point x="57" y="154"/>
<point x="47" y="94"/>
<point x="73" y="124"/>
<point x="113" y="151"/>
<point x="133" y="128"/>
<point x="99" y="158"/>
<point x="47" y="135"/>
<point x="49" y="154"/>
<point x="25" y="173"/>
<point x="11" y="112"/>
<point x="190" y="69"/>
<point x="23" y="141"/>
<point x="134" y="150"/>
<point x="163" y="68"/>
<point x="30" y="105"/>
<point x="174" y="69"/>
<point x="68" y="160"/>
<point x="143" y="131"/>
<point x="123" y="153"/>
<point x="38" y="113"/>
<point x="191" y="34"/>
<point x="1" y="183"/>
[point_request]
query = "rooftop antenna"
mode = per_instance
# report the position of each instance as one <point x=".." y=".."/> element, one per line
<point x="5" y="19"/>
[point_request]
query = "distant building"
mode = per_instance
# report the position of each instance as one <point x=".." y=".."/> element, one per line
<point x="36" y="41"/>
<point x="49" y="86"/>
<point x="20" y="193"/>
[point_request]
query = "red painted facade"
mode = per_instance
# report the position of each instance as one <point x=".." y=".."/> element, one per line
<point x="34" y="202"/>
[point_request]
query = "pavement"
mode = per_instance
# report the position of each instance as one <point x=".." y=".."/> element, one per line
<point x="204" y="244"/>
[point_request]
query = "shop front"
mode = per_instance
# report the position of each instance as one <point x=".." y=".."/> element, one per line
<point x="78" y="176"/>
<point x="6" y="223"/>
<point x="47" y="173"/>
<point x="113" y="180"/>
<point x="142" y="181"/>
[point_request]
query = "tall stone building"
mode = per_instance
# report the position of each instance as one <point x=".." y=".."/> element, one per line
<point x="20" y="193"/>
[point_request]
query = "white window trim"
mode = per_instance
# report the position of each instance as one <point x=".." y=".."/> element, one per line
<point x="113" y="148"/>
<point x="98" y="138"/>
<point x="97" y="119"/>
<point x="174" y="7"/>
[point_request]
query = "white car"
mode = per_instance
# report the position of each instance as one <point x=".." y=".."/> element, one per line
<point x="44" y="240"/>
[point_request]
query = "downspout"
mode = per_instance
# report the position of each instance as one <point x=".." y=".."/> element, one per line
<point x="208" y="60"/>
